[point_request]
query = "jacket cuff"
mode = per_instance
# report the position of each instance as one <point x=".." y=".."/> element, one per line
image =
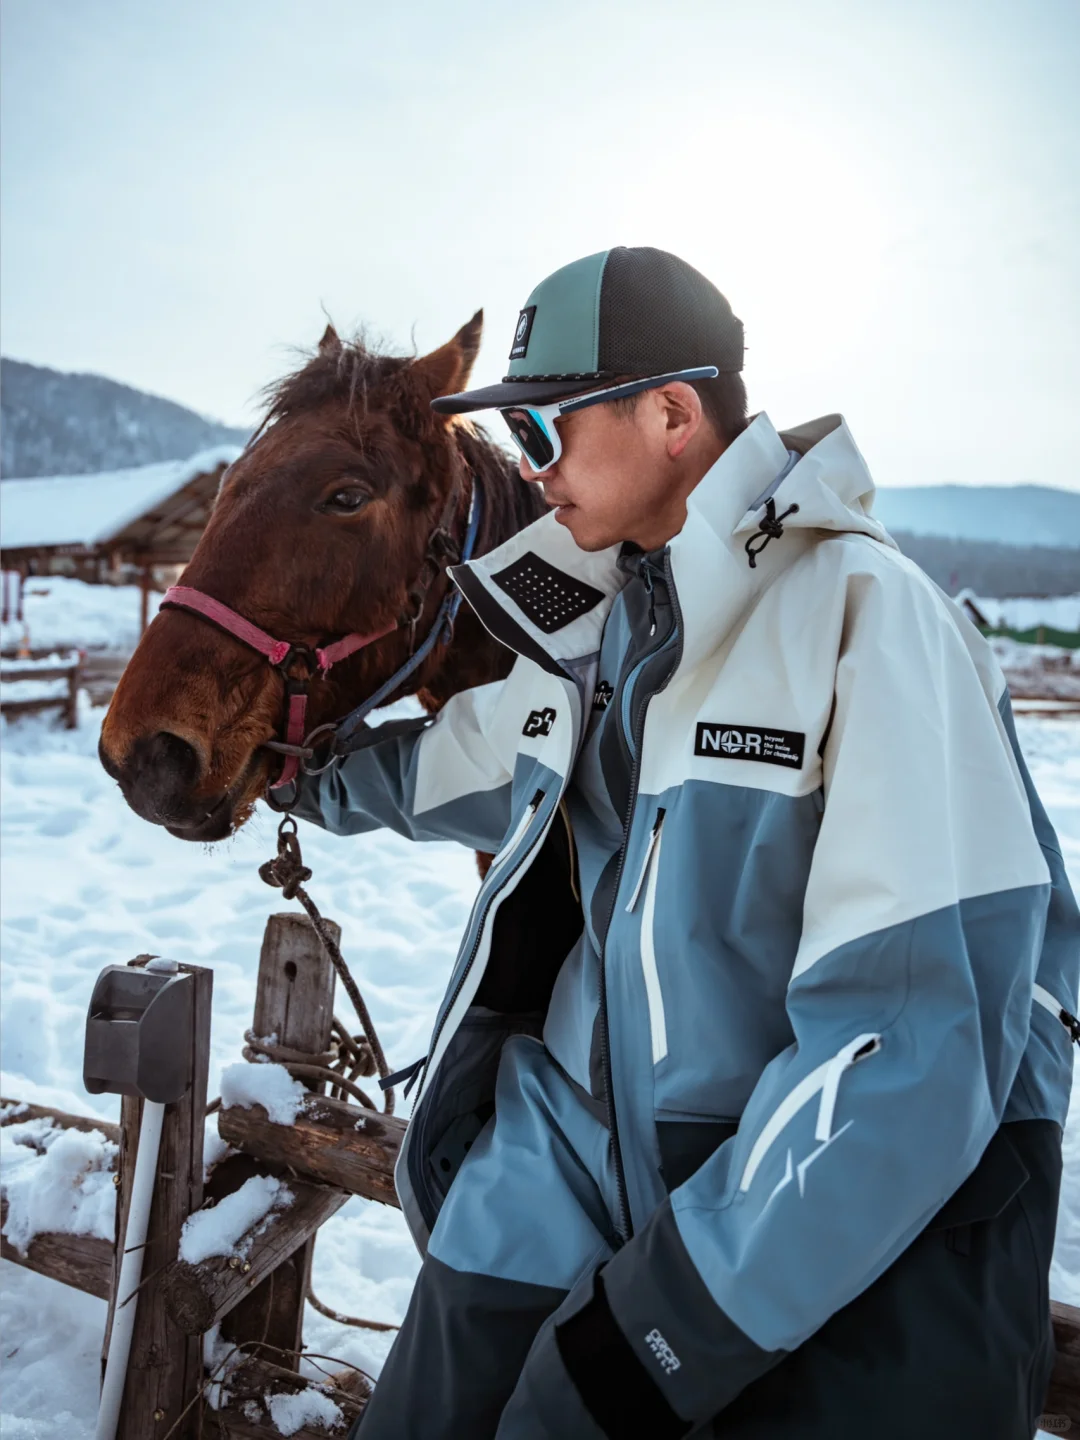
<point x="696" y="1356"/>
<point x="614" y="1386"/>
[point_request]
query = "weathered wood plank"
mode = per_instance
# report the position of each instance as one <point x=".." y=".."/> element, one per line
<point x="199" y="1296"/>
<point x="294" y="995"/>
<point x="294" y="1001"/>
<point x="165" y="1371"/>
<point x="330" y="1141"/>
<point x="61" y="1118"/>
<point x="82" y="1261"/>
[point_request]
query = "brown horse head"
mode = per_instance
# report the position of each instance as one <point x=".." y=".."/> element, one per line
<point x="322" y="528"/>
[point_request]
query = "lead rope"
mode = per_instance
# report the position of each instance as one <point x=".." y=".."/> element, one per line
<point x="287" y="872"/>
<point x="352" y="1055"/>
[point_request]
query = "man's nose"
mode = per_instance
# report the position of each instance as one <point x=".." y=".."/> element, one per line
<point x="526" y="472"/>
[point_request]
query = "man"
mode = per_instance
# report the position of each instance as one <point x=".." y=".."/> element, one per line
<point x="742" y="1114"/>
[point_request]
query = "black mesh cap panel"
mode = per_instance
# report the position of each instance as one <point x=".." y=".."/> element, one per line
<point x="657" y="313"/>
<point x="548" y="597"/>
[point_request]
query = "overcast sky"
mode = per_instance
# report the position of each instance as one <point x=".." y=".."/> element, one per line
<point x="888" y="191"/>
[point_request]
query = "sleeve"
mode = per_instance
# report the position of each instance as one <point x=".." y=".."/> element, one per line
<point x="910" y="1004"/>
<point x="447" y="778"/>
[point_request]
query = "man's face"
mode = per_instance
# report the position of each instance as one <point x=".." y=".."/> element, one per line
<point x="626" y="476"/>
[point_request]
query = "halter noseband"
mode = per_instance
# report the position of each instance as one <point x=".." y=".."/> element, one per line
<point x="280" y="654"/>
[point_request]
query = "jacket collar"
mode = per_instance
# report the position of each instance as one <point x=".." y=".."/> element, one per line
<point x="547" y="599"/>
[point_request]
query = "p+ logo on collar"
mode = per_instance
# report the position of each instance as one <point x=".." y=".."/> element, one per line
<point x="539" y="722"/>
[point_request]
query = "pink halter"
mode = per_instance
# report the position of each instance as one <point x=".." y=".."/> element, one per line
<point x="185" y="597"/>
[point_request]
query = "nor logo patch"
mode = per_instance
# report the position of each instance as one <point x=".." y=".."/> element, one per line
<point x="669" y="1361"/>
<point x="522" y="333"/>
<point x="539" y="722"/>
<point x="724" y="741"/>
<point x="602" y="698"/>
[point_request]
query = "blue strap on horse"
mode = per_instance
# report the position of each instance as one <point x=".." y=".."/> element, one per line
<point x="351" y="727"/>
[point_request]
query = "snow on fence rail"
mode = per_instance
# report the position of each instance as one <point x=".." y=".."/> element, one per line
<point x="227" y="1266"/>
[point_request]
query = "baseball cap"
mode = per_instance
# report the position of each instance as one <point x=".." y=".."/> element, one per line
<point x="629" y="311"/>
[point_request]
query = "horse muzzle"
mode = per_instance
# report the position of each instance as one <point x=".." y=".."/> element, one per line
<point x="159" y="778"/>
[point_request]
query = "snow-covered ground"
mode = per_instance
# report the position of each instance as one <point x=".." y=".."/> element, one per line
<point x="86" y="883"/>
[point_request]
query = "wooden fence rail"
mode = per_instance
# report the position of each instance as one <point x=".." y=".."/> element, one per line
<point x="69" y="670"/>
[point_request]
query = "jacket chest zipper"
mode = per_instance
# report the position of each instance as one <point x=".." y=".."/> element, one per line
<point x="624" y="1222"/>
<point x="647" y="880"/>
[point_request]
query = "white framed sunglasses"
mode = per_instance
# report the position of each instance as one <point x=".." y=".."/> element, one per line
<point x="534" y="426"/>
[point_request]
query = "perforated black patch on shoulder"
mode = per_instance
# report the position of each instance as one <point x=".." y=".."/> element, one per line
<point x="549" y="597"/>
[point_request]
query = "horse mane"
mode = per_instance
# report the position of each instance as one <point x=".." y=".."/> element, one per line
<point x="346" y="373"/>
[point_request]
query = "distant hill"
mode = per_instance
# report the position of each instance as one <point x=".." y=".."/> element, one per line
<point x="1003" y="515"/>
<point x="57" y="424"/>
<point x="992" y="569"/>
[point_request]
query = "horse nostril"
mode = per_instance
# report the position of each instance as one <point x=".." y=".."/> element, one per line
<point x="158" y="774"/>
<point x="167" y="755"/>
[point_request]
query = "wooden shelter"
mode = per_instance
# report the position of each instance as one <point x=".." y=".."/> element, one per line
<point x="114" y="527"/>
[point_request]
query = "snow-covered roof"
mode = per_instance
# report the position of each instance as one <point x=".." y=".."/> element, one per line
<point x="91" y="509"/>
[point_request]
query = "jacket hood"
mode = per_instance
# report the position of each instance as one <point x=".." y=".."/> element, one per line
<point x="829" y="481"/>
<point x="555" y="597"/>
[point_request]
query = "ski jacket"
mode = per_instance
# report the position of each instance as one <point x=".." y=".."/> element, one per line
<point x="836" y="917"/>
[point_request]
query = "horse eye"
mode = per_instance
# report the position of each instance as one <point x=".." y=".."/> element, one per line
<point x="346" y="501"/>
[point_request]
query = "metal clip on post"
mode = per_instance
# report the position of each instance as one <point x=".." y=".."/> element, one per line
<point x="138" y="1042"/>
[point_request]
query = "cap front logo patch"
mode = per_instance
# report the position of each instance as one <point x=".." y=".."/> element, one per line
<point x="522" y="333"/>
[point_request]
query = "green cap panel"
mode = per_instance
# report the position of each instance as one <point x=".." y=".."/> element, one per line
<point x="564" y="337"/>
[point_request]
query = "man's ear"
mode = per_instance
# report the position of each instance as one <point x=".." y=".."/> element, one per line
<point x="683" y="415"/>
<point x="446" y="370"/>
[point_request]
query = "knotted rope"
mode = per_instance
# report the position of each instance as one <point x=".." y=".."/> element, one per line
<point x="352" y="1053"/>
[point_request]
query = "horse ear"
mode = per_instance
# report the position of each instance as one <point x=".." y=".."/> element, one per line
<point x="446" y="370"/>
<point x="329" y="340"/>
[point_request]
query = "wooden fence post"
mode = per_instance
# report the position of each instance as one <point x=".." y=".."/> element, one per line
<point x="294" y="1000"/>
<point x="165" y="1371"/>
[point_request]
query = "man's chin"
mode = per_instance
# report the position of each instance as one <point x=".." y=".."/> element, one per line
<point x="585" y="535"/>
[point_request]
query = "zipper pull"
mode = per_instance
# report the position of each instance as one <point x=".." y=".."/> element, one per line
<point x="650" y="588"/>
<point x="653" y="838"/>
<point x="851" y="1054"/>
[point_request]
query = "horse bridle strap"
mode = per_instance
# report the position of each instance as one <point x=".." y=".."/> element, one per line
<point x="185" y="597"/>
<point x="281" y="653"/>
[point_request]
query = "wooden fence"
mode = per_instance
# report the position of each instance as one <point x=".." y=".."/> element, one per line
<point x="332" y="1151"/>
<point x="69" y="669"/>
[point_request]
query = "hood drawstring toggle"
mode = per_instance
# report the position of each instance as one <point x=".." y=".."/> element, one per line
<point x="771" y="528"/>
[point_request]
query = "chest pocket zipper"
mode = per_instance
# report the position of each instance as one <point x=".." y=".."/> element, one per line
<point x="519" y="833"/>
<point x="646" y="882"/>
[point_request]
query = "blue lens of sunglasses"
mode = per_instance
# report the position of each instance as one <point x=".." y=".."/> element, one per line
<point x="531" y="434"/>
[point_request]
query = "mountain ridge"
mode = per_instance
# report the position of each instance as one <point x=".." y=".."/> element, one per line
<point x="1026" y="514"/>
<point x="54" y="422"/>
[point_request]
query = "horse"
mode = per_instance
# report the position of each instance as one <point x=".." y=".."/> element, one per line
<point x="336" y="520"/>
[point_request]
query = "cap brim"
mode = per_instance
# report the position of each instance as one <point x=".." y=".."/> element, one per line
<point x="513" y="392"/>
